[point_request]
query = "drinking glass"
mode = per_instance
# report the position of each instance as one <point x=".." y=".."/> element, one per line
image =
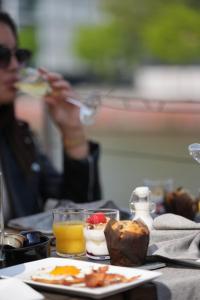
<point x="1" y="222"/>
<point x="32" y="83"/>
<point x="194" y="151"/>
<point x="95" y="224"/>
<point x="68" y="231"/>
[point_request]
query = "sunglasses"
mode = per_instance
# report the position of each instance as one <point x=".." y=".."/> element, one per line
<point x="22" y="56"/>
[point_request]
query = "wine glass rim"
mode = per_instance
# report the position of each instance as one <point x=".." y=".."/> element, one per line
<point x="194" y="146"/>
<point x="62" y="210"/>
<point x="101" y="210"/>
<point x="29" y="74"/>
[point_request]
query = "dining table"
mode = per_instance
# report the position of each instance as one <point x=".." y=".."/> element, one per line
<point x="138" y="293"/>
<point x="146" y="291"/>
<point x="176" y="282"/>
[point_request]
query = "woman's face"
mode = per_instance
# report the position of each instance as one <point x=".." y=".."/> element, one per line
<point x="9" y="74"/>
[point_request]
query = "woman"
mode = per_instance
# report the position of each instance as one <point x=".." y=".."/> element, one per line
<point x="29" y="176"/>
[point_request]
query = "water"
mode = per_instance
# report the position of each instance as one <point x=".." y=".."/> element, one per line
<point x="136" y="146"/>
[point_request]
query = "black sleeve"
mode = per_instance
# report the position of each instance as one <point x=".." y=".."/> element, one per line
<point x="80" y="179"/>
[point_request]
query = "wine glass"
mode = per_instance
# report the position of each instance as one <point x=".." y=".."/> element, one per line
<point x="194" y="150"/>
<point x="32" y="83"/>
<point x="1" y="222"/>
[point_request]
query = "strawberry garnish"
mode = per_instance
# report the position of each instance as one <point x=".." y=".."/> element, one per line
<point x="97" y="218"/>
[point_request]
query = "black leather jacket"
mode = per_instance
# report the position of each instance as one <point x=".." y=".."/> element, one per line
<point x="31" y="179"/>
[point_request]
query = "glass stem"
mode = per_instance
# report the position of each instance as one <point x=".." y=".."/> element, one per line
<point x="74" y="101"/>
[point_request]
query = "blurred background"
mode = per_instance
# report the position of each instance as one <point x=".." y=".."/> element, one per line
<point x="143" y="57"/>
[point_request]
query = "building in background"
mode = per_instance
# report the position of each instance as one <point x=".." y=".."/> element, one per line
<point x="56" y="22"/>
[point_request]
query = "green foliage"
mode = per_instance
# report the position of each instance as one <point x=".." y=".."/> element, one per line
<point x="166" y="30"/>
<point x="101" y="47"/>
<point x="98" y="41"/>
<point x="174" y="36"/>
<point x="28" y="39"/>
<point x="159" y="30"/>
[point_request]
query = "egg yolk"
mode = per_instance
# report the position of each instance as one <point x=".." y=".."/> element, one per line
<point x="65" y="270"/>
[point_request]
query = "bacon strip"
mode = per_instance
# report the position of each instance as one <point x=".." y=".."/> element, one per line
<point x="97" y="278"/>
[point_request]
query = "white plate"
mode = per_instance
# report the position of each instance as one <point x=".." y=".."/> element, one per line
<point x="24" y="272"/>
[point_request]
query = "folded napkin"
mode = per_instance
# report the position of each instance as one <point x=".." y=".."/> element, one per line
<point x="172" y="221"/>
<point x="182" y="248"/>
<point x="41" y="222"/>
<point x="13" y="288"/>
<point x="175" y="238"/>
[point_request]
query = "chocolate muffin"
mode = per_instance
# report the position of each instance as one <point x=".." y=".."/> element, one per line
<point x="127" y="242"/>
<point x="181" y="202"/>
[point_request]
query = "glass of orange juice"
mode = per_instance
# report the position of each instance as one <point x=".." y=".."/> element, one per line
<point x="68" y="231"/>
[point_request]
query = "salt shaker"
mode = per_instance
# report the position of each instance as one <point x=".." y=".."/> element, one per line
<point x="141" y="206"/>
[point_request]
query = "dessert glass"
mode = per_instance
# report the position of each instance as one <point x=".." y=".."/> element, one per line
<point x="68" y="231"/>
<point x="95" y="224"/>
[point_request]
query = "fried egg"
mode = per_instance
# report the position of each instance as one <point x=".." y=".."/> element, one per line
<point x="66" y="275"/>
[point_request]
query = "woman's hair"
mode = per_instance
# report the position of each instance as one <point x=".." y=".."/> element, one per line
<point x="5" y="18"/>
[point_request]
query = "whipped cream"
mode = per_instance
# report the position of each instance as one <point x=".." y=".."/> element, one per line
<point x="95" y="240"/>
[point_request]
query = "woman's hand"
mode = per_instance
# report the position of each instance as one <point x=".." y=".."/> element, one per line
<point x="65" y="115"/>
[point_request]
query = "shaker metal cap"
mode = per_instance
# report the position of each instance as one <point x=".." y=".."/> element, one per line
<point x="142" y="191"/>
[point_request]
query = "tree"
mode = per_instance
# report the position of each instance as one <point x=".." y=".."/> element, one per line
<point x="140" y="31"/>
<point x="28" y="39"/>
<point x="174" y="36"/>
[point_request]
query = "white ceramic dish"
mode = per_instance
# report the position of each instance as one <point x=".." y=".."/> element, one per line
<point x="25" y="271"/>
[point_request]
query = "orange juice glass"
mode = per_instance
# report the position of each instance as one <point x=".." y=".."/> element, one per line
<point x="68" y="231"/>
